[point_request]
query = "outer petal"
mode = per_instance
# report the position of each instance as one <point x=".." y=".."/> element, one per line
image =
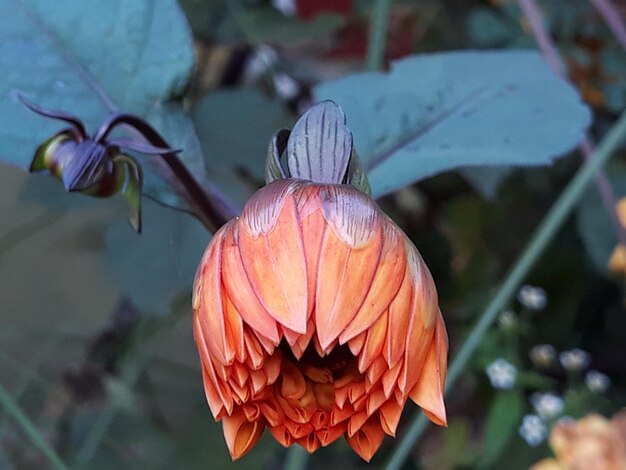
<point x="223" y="395"/>
<point x="313" y="226"/>
<point x="374" y="343"/>
<point x="428" y="392"/>
<point x="210" y="311"/>
<point x="385" y="285"/>
<point x="348" y="259"/>
<point x="241" y="434"/>
<point x="400" y="311"/>
<point x="367" y="440"/>
<point x="423" y="321"/>
<point x="240" y="291"/>
<point x="270" y="242"/>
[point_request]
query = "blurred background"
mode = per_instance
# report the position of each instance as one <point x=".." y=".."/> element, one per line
<point x="95" y="335"/>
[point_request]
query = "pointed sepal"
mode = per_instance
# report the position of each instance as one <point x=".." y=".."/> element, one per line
<point x="320" y="145"/>
<point x="273" y="167"/>
<point x="132" y="188"/>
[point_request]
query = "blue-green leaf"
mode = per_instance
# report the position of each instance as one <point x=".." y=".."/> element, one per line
<point x="91" y="58"/>
<point x="438" y="112"/>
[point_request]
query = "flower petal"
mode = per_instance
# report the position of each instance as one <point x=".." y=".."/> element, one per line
<point x="368" y="439"/>
<point x="385" y="285"/>
<point x="428" y="392"/>
<point x="270" y="242"/>
<point x="240" y="292"/>
<point x="348" y="260"/>
<point x="210" y="311"/>
<point x="241" y="434"/>
<point x="390" y="414"/>
<point x="224" y="394"/>
<point x="374" y="343"/>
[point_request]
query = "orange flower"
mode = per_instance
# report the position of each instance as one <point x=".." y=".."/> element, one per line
<point x="591" y="443"/>
<point x="316" y="317"/>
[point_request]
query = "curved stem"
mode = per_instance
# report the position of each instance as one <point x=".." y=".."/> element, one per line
<point x="548" y="48"/>
<point x="210" y="214"/>
<point x="552" y="222"/>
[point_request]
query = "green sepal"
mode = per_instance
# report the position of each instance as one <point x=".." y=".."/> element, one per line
<point x="44" y="155"/>
<point x="132" y="188"/>
<point x="356" y="175"/>
<point x="273" y="168"/>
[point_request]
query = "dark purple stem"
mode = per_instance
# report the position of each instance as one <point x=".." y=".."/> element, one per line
<point x="550" y="52"/>
<point x="212" y="215"/>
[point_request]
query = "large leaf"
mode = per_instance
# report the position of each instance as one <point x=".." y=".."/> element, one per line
<point x="437" y="112"/>
<point x="91" y="58"/>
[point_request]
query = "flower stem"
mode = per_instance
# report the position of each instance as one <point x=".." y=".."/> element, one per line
<point x="296" y="458"/>
<point x="211" y="211"/>
<point x="552" y="222"/>
<point x="378" y="35"/>
<point x="30" y="430"/>
<point x="548" y="48"/>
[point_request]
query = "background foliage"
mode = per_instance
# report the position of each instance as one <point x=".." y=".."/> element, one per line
<point x="96" y="339"/>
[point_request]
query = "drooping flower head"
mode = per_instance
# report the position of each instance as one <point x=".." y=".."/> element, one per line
<point x="314" y="314"/>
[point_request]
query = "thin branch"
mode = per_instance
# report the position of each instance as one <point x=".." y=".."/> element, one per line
<point x="550" y="52"/>
<point x="612" y="18"/>
<point x="211" y="213"/>
<point x="543" y="236"/>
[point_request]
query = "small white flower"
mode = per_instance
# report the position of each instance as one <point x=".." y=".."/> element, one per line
<point x="262" y="59"/>
<point x="501" y="374"/>
<point x="597" y="382"/>
<point x="547" y="405"/>
<point x="533" y="430"/>
<point x="533" y="298"/>
<point x="286" y="7"/>
<point x="542" y="355"/>
<point x="574" y="360"/>
<point x="286" y="86"/>
<point x="507" y="320"/>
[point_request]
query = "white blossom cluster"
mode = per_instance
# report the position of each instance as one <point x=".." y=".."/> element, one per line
<point x="533" y="298"/>
<point x="501" y="374"/>
<point x="547" y="405"/>
<point x="574" y="360"/>
<point x="533" y="430"/>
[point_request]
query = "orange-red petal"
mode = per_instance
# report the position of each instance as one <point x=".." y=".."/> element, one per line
<point x="270" y="240"/>
<point x="428" y="392"/>
<point x="241" y="434"/>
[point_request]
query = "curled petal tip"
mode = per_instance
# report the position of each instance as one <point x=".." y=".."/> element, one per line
<point x="240" y="434"/>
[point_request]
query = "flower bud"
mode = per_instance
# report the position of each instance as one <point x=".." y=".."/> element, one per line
<point x="314" y="315"/>
<point x="96" y="165"/>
